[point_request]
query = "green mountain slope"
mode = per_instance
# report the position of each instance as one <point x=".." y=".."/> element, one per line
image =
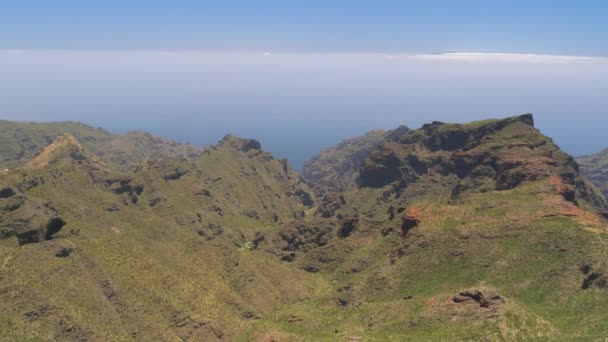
<point x="451" y="232"/>
<point x="22" y="141"/>
<point x="456" y="232"/>
<point x="161" y="253"/>
<point x="595" y="167"/>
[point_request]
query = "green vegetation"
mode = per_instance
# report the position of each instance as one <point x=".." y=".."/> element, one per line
<point x="22" y="141"/>
<point x="458" y="232"/>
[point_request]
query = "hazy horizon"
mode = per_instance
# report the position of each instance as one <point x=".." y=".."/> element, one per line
<point x="298" y="103"/>
<point x="299" y="76"/>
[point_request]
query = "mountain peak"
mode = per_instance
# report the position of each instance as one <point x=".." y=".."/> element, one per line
<point x="65" y="145"/>
<point x="240" y="144"/>
<point x="496" y="154"/>
<point x="66" y="140"/>
<point x="527" y="119"/>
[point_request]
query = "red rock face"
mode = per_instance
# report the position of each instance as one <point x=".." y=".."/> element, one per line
<point x="410" y="220"/>
<point x="487" y="156"/>
<point x="336" y="168"/>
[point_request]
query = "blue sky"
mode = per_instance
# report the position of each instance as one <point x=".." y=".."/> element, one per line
<point x="302" y="75"/>
<point x="549" y="27"/>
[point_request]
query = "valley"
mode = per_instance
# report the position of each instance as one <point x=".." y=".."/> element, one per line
<point x="485" y="230"/>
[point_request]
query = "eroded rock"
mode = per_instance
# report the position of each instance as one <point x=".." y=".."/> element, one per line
<point x="64" y="252"/>
<point x="347" y="226"/>
<point x="330" y="204"/>
<point x="410" y="220"/>
<point x="7" y="192"/>
<point x="485" y="298"/>
<point x="593" y="278"/>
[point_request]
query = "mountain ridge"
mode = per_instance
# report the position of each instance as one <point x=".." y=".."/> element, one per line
<point x="447" y="232"/>
<point x="21" y="141"/>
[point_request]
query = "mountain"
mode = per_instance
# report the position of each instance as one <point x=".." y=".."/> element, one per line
<point x="159" y="253"/>
<point x="460" y="232"/>
<point x="22" y="141"/>
<point x="481" y="156"/>
<point x="455" y="232"/>
<point x="595" y="167"/>
<point x="337" y="167"/>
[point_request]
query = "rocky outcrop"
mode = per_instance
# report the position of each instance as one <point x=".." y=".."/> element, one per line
<point x="485" y="298"/>
<point x="244" y="145"/>
<point x="347" y="226"/>
<point x="409" y="220"/>
<point x="64" y="252"/>
<point x="298" y="236"/>
<point x="28" y="220"/>
<point x="476" y="157"/>
<point x="593" y="278"/>
<point x="336" y="168"/>
<point x="7" y="192"/>
<point x="595" y="168"/>
<point x="129" y="191"/>
<point x="330" y="204"/>
<point x="305" y="198"/>
<point x="477" y="304"/>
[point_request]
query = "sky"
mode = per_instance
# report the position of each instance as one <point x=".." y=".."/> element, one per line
<point x="302" y="75"/>
<point x="540" y="26"/>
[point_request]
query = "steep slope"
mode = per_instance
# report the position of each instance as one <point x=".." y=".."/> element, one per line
<point x="22" y="141"/>
<point x="234" y="183"/>
<point x="64" y="146"/>
<point x="482" y="156"/>
<point x="163" y="253"/>
<point x="455" y="232"/>
<point x="595" y="167"/>
<point x="450" y="232"/>
<point x="336" y="168"/>
<point x="32" y="219"/>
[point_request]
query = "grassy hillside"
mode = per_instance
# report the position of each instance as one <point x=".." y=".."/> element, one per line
<point x="459" y="232"/>
<point x="468" y="232"/>
<point x="537" y="252"/>
<point x="161" y="253"/>
<point x="22" y="141"/>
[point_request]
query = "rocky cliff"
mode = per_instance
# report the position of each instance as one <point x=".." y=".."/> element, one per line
<point x="595" y="167"/>
<point x="480" y="157"/>
<point x="336" y="168"/>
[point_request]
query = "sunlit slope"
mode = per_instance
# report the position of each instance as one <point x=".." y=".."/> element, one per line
<point x="22" y="141"/>
<point x="450" y="233"/>
<point x="161" y="253"/>
<point x="458" y="232"/>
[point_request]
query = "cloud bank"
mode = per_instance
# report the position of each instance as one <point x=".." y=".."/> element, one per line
<point x="296" y="103"/>
<point x="503" y="57"/>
